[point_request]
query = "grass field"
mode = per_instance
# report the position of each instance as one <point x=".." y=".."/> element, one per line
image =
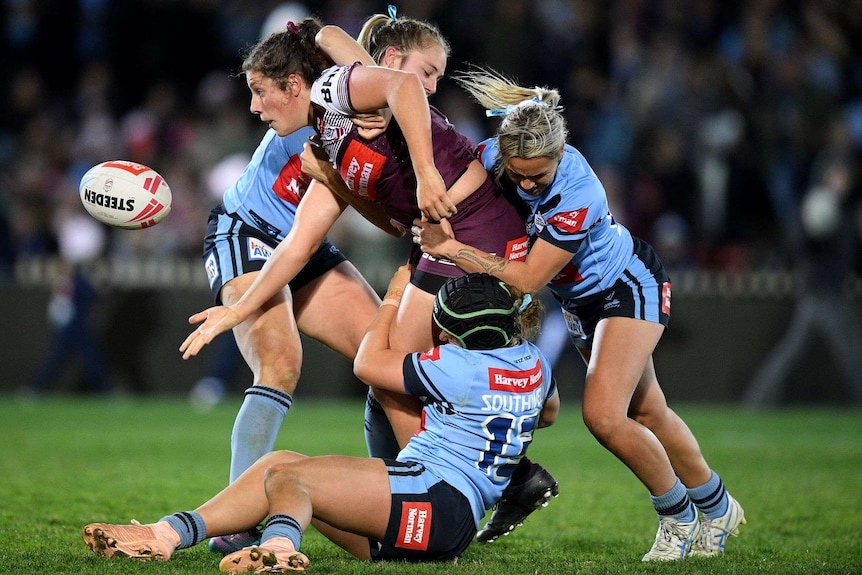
<point x="68" y="462"/>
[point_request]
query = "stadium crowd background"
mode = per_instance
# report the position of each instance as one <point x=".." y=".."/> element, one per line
<point x="703" y="118"/>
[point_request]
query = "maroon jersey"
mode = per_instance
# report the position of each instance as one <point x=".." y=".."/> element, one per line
<point x="380" y="170"/>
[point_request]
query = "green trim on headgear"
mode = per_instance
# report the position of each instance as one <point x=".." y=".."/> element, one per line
<point x="477" y="310"/>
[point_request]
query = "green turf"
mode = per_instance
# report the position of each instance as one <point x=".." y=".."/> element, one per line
<point x="68" y="462"/>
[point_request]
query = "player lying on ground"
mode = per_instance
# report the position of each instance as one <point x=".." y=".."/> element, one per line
<point x="426" y="504"/>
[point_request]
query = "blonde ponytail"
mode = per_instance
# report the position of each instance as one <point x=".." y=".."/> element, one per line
<point x="533" y="124"/>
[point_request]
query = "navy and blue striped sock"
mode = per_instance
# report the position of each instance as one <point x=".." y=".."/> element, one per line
<point x="675" y="503"/>
<point x="711" y="497"/>
<point x="281" y="525"/>
<point x="190" y="527"/>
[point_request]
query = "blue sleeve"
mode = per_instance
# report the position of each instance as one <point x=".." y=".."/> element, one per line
<point x="488" y="153"/>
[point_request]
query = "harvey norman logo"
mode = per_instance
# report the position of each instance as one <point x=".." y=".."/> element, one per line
<point x="415" y="526"/>
<point x="361" y="168"/>
<point x="515" y="381"/>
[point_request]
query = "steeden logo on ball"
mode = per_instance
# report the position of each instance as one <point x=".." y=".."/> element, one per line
<point x="125" y="194"/>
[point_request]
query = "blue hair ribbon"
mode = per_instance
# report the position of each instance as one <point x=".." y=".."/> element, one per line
<point x="393" y="12"/>
<point x="525" y="302"/>
<point x="509" y="108"/>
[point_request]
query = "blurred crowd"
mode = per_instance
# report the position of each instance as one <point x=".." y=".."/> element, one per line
<point x="703" y="118"/>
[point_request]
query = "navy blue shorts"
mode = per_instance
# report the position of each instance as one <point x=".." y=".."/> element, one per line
<point x="233" y="248"/>
<point x="642" y="292"/>
<point x="430" y="519"/>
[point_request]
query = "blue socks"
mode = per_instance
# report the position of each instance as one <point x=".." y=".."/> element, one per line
<point x="256" y="426"/>
<point x="711" y="497"/>
<point x="675" y="503"/>
<point x="190" y="527"/>
<point x="280" y="525"/>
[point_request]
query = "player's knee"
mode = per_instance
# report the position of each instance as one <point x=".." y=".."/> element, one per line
<point x="277" y="366"/>
<point x="281" y="476"/>
<point x="647" y="419"/>
<point x="600" y="422"/>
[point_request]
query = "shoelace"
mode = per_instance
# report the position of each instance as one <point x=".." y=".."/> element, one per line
<point x="669" y="531"/>
<point x="706" y="538"/>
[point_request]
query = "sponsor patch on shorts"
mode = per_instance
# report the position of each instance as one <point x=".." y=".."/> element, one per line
<point x="517" y="249"/>
<point x="574" y="325"/>
<point x="665" y="298"/>
<point x="211" y="266"/>
<point x="257" y="250"/>
<point x="415" y="529"/>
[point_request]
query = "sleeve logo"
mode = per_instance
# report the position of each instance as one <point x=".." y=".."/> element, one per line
<point x="665" y="298"/>
<point x="361" y="168"/>
<point x="432" y="354"/>
<point x="570" y="222"/>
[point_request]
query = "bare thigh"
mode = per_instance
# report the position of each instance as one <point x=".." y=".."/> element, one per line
<point x="622" y="350"/>
<point x="336" y="308"/>
<point x="268" y="339"/>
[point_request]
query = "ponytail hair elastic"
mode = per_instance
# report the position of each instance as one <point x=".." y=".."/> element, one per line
<point x="292" y="28"/>
<point x="510" y="107"/>
<point x="525" y="302"/>
<point x="393" y="12"/>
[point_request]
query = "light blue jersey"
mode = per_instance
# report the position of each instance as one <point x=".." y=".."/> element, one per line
<point x="258" y="212"/>
<point x="481" y="408"/>
<point x="611" y="273"/>
<point x="268" y="191"/>
<point x="573" y="214"/>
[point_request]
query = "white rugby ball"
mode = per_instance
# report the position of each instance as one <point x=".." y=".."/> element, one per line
<point x="125" y="195"/>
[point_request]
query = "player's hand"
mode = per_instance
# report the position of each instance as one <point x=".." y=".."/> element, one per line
<point x="432" y="196"/>
<point x="431" y="237"/>
<point x="315" y="161"/>
<point x="400" y="278"/>
<point x="371" y="125"/>
<point x="215" y="320"/>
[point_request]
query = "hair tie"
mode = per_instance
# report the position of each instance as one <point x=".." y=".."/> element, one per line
<point x="393" y="12"/>
<point x="292" y="28"/>
<point x="525" y="302"/>
<point x="510" y="107"/>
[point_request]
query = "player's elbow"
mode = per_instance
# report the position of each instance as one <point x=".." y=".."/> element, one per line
<point x="327" y="36"/>
<point x="362" y="368"/>
<point x="549" y="412"/>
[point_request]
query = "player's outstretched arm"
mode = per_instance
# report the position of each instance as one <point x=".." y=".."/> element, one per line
<point x="316" y="214"/>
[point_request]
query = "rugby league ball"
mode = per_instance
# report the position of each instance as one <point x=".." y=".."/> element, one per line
<point x="125" y="195"/>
